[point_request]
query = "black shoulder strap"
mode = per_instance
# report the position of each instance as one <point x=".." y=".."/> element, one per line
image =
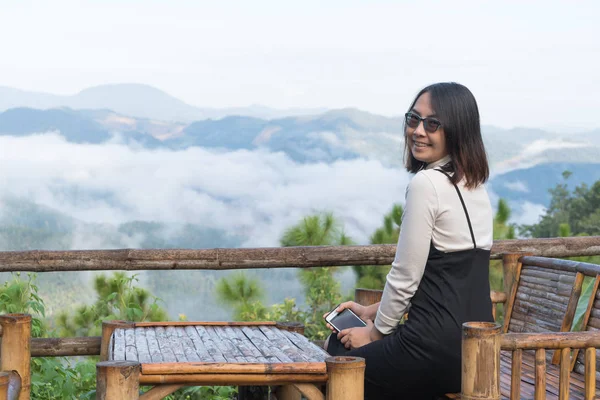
<point x="464" y="206"/>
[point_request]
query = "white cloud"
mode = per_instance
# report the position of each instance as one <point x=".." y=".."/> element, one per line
<point x="533" y="153"/>
<point x="539" y="146"/>
<point x="255" y="193"/>
<point x="527" y="213"/>
<point x="517" y="186"/>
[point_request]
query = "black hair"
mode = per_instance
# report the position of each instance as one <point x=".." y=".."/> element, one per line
<point x="456" y="108"/>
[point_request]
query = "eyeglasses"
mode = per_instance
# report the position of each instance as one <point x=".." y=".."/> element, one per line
<point x="430" y="124"/>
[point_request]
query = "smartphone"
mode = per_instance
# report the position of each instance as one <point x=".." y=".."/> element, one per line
<point x="344" y="319"/>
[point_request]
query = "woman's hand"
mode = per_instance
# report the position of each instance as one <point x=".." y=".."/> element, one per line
<point x="353" y="338"/>
<point x="360" y="311"/>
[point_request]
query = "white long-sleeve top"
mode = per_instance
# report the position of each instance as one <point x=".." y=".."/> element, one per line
<point x="434" y="214"/>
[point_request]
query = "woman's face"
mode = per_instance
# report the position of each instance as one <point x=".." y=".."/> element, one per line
<point x="426" y="147"/>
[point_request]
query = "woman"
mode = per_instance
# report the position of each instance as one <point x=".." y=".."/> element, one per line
<point x="442" y="259"/>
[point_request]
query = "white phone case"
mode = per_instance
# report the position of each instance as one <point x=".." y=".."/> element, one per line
<point x="334" y="314"/>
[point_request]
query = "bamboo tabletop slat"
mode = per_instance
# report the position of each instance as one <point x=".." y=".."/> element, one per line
<point x="165" y="349"/>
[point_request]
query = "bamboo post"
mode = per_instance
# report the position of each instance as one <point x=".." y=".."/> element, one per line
<point x="510" y="270"/>
<point x="565" y="369"/>
<point x="590" y="373"/>
<point x="346" y="378"/>
<point x="118" y="380"/>
<point x="108" y="327"/>
<point x="515" y="374"/>
<point x="480" y="361"/>
<point x="366" y="297"/>
<point x="540" y="374"/>
<point x="15" y="349"/>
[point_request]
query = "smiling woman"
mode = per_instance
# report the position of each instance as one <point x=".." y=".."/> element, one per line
<point x="442" y="260"/>
<point x="427" y="141"/>
<point x="455" y="115"/>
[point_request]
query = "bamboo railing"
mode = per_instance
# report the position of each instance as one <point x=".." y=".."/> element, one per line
<point x="222" y="259"/>
<point x="288" y="257"/>
<point x="275" y="257"/>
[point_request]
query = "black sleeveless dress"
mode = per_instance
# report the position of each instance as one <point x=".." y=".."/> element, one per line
<point x="422" y="358"/>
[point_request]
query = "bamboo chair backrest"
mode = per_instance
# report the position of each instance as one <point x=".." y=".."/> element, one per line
<point x="544" y="298"/>
<point x="560" y="279"/>
<point x="539" y="303"/>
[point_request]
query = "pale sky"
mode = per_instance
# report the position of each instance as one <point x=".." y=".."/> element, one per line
<point x="529" y="63"/>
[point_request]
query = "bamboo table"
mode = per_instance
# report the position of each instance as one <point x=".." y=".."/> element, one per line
<point x="171" y="355"/>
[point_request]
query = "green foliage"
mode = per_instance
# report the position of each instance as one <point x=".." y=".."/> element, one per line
<point x="286" y="312"/>
<point x="59" y="378"/>
<point x="564" y="230"/>
<point x="502" y="229"/>
<point x="244" y="294"/>
<point x="19" y="296"/>
<point x="314" y="230"/>
<point x="571" y="213"/>
<point x="321" y="289"/>
<point x="390" y="230"/>
<point x="52" y="378"/>
<point x="322" y="294"/>
<point x="117" y="299"/>
<point x="205" y="393"/>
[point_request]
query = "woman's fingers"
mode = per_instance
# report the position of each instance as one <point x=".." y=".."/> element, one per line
<point x="344" y="305"/>
<point x="345" y="340"/>
<point x="344" y="333"/>
<point x="340" y="307"/>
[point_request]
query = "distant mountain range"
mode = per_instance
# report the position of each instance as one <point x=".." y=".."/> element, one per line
<point x="144" y="116"/>
<point x="326" y="137"/>
<point x="136" y="100"/>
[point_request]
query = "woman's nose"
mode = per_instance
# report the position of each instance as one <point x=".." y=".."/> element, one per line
<point x="420" y="129"/>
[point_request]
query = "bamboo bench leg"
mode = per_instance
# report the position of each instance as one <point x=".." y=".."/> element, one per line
<point x="16" y="350"/>
<point x="310" y="391"/>
<point x="288" y="392"/>
<point x="346" y="378"/>
<point x="118" y="380"/>
<point x="160" y="391"/>
<point x="481" y="361"/>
